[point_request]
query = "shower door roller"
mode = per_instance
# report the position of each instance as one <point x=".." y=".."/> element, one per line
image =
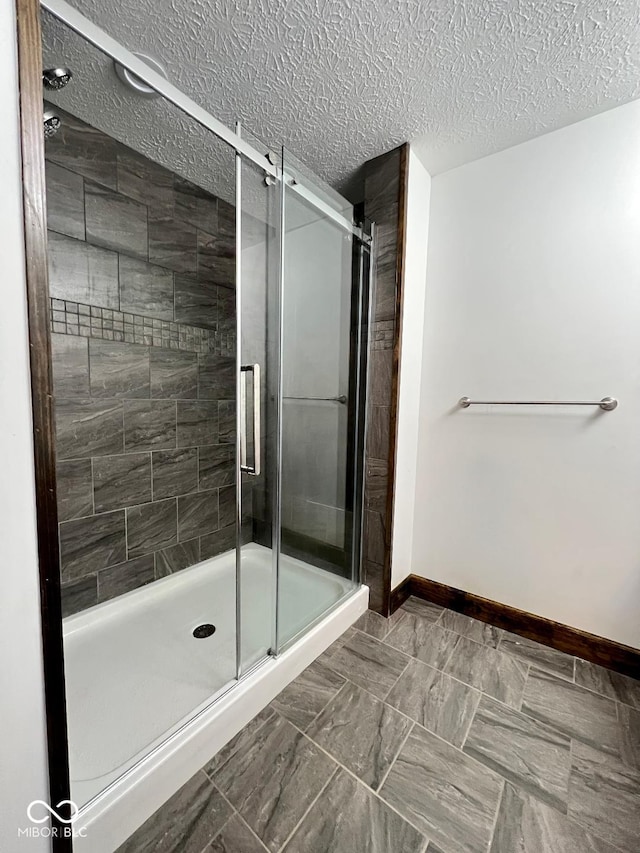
<point x="254" y="369"/>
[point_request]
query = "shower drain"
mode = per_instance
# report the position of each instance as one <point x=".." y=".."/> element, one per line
<point x="203" y="631"/>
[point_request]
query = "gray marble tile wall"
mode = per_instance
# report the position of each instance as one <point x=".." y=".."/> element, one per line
<point x="382" y="200"/>
<point x="142" y="270"/>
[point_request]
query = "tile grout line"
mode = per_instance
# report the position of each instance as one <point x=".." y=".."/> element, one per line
<point x="357" y="779"/>
<point x="307" y="811"/>
<point x="475" y="689"/>
<point x="389" y="691"/>
<point x="496" y="815"/>
<point x="587" y="829"/>
<point x="415" y="723"/>
<point x="234" y="813"/>
<point x="395" y="758"/>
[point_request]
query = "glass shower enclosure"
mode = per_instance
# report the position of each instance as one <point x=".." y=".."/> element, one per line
<point x="208" y="349"/>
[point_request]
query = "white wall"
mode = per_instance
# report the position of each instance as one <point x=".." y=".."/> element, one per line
<point x="533" y="291"/>
<point x="22" y="727"/>
<point x="415" y="260"/>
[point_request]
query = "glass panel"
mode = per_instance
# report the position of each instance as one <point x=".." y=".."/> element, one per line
<point x="320" y="315"/>
<point x="141" y="215"/>
<point x="257" y="423"/>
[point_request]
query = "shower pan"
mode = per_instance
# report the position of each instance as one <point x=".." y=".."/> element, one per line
<point x="208" y="318"/>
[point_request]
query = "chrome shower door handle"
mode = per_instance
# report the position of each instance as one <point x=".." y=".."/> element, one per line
<point x="254" y="469"/>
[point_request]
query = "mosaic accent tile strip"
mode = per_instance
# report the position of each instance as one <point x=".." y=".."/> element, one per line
<point x="89" y="321"/>
<point x="382" y="334"/>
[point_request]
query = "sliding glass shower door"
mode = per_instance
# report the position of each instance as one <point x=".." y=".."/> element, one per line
<point x="300" y="333"/>
<point x="257" y="285"/>
<point x="321" y="329"/>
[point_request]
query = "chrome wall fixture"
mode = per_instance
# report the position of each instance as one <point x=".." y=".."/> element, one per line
<point x="607" y="404"/>
<point x="55" y="79"/>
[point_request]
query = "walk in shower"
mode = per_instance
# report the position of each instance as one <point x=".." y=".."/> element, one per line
<point x="208" y="301"/>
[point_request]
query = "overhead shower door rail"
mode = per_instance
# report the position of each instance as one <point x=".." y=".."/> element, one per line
<point x="61" y="10"/>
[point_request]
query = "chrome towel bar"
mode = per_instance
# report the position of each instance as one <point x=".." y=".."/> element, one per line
<point x="607" y="404"/>
<point x="341" y="399"/>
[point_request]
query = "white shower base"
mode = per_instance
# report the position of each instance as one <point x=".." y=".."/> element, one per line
<point x="135" y="673"/>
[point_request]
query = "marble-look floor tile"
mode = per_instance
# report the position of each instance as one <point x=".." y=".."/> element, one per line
<point x="75" y="489"/>
<point x="120" y="481"/>
<point x="78" y="595"/>
<point x="423" y="639"/>
<point x="175" y="472"/>
<point x="177" y="557"/>
<point x="368" y="663"/>
<point x="608" y="683"/>
<point x="151" y="527"/>
<point x="448" y="796"/>
<point x="542" y="657"/>
<point x="525" y="825"/>
<point x="238" y="745"/>
<point x="88" y="428"/>
<point x="466" y="626"/>
<point x="571" y="709"/>
<point x="217" y="466"/>
<point x="629" y="720"/>
<point x="374" y="624"/>
<point x="528" y="753"/>
<point x="302" y="700"/>
<point x="70" y="366"/>
<point x="127" y="576"/>
<point x="185" y="823"/>
<point x="604" y="797"/>
<point x="420" y="607"/>
<point x="174" y="374"/>
<point x="149" y="424"/>
<point x="361" y="732"/>
<point x="274" y="779"/>
<point x="438" y="702"/>
<point x="236" y="837"/>
<point x="65" y="201"/>
<point x="89" y="544"/>
<point x="145" y="289"/>
<point x="326" y="656"/>
<point x="118" y="369"/>
<point x="198" y="514"/>
<point x="114" y="221"/>
<point x="348" y="818"/>
<point x="197" y="422"/>
<point x="82" y="273"/>
<point x="494" y="672"/>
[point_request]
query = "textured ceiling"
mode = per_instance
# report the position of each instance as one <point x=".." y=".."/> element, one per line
<point x="341" y="81"/>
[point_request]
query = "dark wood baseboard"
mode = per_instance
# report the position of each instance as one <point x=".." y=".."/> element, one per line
<point x="572" y="641"/>
<point x="400" y="594"/>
